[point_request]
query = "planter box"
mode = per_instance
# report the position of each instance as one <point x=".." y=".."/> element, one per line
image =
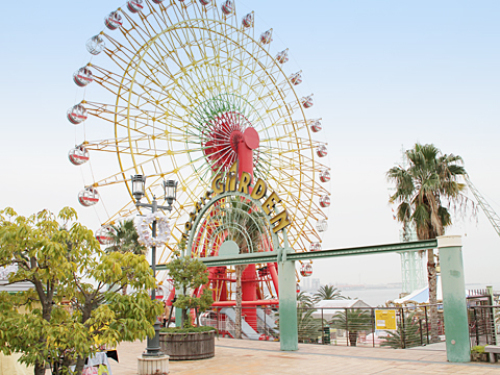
<point x="184" y="346"/>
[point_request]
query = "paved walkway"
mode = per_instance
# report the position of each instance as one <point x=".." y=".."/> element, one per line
<point x="242" y="357"/>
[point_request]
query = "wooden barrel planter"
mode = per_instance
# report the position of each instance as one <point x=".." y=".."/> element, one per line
<point x="191" y="345"/>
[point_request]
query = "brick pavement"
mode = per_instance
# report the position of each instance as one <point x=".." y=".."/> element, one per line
<point x="259" y="357"/>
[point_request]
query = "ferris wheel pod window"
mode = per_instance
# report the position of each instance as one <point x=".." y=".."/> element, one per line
<point x="307" y="101"/>
<point x="322" y="151"/>
<point x="247" y="21"/>
<point x="77" y="114"/>
<point x="113" y="20"/>
<point x="78" y="155"/>
<point x="83" y="77"/>
<point x="227" y="7"/>
<point x="95" y="45"/>
<point x="135" y="6"/>
<point x="296" y="79"/>
<point x="105" y="235"/>
<point x="316" y="126"/>
<point x="88" y="197"/>
<point x="205" y="2"/>
<point x="282" y="57"/>
<point x="321" y="225"/>
<point x="324" y="201"/>
<point x="306" y="270"/>
<point x="266" y="37"/>
<point x="325" y="176"/>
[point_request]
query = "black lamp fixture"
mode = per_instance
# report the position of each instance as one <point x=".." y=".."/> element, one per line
<point x="138" y="186"/>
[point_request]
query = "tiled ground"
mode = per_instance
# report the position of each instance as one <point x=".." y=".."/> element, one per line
<point x="243" y="357"/>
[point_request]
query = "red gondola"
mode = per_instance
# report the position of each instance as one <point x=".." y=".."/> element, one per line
<point x="322" y="151"/>
<point x="227" y="7"/>
<point x="298" y="288"/>
<point x="78" y="155"/>
<point x="157" y="1"/>
<point x="83" y="77"/>
<point x="266" y="37"/>
<point x="324" y="176"/>
<point x="247" y="21"/>
<point x="306" y="270"/>
<point x="113" y="20"/>
<point x="324" y="201"/>
<point x="205" y="2"/>
<point x="135" y="6"/>
<point x="88" y="197"/>
<point x="77" y="114"/>
<point x="282" y="56"/>
<point x="307" y="101"/>
<point x="316" y="126"/>
<point x="315" y="246"/>
<point x="105" y="235"/>
<point x="95" y="45"/>
<point x="296" y="79"/>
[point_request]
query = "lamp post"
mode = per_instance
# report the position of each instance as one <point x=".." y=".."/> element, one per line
<point x="170" y="192"/>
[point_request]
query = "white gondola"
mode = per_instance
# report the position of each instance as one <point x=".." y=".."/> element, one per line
<point x="205" y="2"/>
<point x="324" y="176"/>
<point x="227" y="7"/>
<point x="307" y="101"/>
<point x="83" y="77"/>
<point x="158" y="1"/>
<point x="105" y="235"/>
<point x="324" y="201"/>
<point x="95" y="45"/>
<point x="316" y="126"/>
<point x="114" y="20"/>
<point x="322" y="151"/>
<point x="296" y="79"/>
<point x="315" y="246"/>
<point x="321" y="225"/>
<point x="282" y="57"/>
<point x="77" y="114"/>
<point x="135" y="6"/>
<point x="306" y="270"/>
<point x="247" y="21"/>
<point x="266" y="37"/>
<point x="88" y="197"/>
<point x="78" y="155"/>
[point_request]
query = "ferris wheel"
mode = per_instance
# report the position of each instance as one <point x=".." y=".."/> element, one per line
<point x="176" y="78"/>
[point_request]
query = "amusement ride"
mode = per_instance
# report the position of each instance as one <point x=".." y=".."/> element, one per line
<point x="189" y="90"/>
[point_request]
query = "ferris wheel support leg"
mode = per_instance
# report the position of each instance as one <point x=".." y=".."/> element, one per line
<point x="288" y="306"/>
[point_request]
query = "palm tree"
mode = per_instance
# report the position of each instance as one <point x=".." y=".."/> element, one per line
<point x="328" y="292"/>
<point x="405" y="337"/>
<point x="304" y="300"/>
<point x="125" y="240"/>
<point x="430" y="179"/>
<point x="353" y="321"/>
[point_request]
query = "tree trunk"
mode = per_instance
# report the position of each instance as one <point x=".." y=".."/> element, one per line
<point x="239" y="297"/>
<point x="353" y="337"/>
<point x="433" y="311"/>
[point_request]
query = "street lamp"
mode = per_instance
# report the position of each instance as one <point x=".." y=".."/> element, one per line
<point x="170" y="192"/>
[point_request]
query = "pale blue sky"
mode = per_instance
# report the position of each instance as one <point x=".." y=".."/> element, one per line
<point x="383" y="74"/>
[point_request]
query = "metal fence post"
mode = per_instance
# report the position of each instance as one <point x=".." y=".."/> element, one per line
<point x="373" y="327"/>
<point x="403" y="333"/>
<point x="346" y="327"/>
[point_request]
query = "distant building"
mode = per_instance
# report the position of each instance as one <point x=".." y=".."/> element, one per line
<point x="310" y="285"/>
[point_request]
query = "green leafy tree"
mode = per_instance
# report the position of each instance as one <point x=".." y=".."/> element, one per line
<point x="189" y="274"/>
<point x="64" y="262"/>
<point x="424" y="190"/>
<point x="353" y="321"/>
<point x="328" y="292"/>
<point x="309" y="328"/>
<point x="304" y="300"/>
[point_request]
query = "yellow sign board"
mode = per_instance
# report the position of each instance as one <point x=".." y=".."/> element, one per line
<point x="385" y="319"/>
